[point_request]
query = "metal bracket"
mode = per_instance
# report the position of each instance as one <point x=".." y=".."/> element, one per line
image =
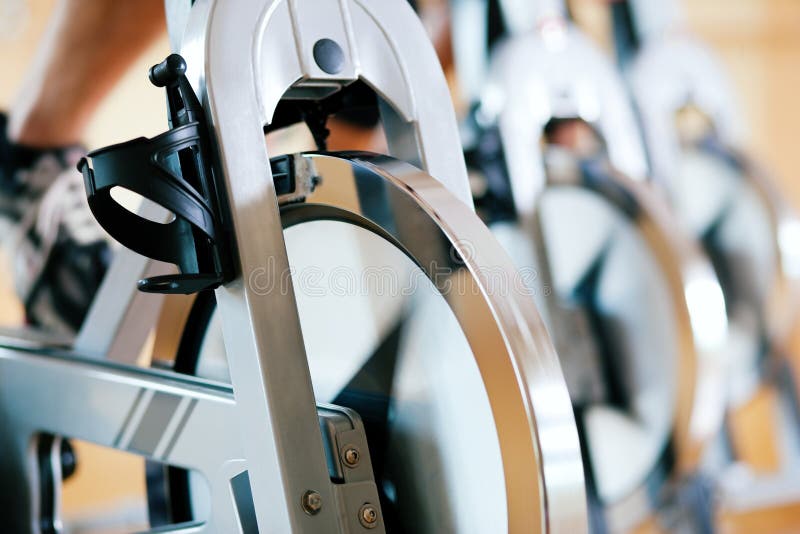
<point x="350" y="468"/>
<point x="295" y="178"/>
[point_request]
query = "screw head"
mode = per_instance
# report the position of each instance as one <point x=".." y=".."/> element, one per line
<point x="368" y="516"/>
<point x="351" y="456"/>
<point x="312" y="502"/>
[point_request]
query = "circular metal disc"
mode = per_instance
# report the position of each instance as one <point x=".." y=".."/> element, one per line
<point x="413" y="316"/>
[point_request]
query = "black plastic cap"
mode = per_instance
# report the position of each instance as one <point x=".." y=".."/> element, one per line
<point x="168" y="70"/>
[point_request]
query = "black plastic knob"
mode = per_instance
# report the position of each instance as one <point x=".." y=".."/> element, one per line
<point x="168" y="70"/>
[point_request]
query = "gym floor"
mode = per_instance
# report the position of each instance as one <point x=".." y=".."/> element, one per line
<point x="758" y="41"/>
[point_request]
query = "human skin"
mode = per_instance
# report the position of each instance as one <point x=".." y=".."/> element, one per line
<point x="86" y="48"/>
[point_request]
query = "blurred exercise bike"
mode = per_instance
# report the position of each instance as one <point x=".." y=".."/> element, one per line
<point x="693" y="132"/>
<point x="636" y="311"/>
<point x="334" y="405"/>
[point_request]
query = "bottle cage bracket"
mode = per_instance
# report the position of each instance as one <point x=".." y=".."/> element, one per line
<point x="174" y="171"/>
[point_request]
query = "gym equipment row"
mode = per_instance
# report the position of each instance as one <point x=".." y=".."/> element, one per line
<point x="538" y="315"/>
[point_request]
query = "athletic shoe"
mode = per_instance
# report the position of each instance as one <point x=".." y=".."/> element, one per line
<point x="57" y="250"/>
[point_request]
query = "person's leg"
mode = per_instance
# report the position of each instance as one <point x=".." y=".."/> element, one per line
<point x="86" y="49"/>
<point x="58" y="252"/>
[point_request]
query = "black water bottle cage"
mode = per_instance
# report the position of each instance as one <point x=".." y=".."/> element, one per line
<point x="174" y="171"/>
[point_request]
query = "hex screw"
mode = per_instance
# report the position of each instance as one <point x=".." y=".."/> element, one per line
<point x="312" y="502"/>
<point x="351" y="456"/>
<point x="368" y="516"/>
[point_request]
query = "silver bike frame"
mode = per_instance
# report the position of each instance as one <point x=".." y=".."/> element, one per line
<point x="572" y="78"/>
<point x="469" y="30"/>
<point x="267" y="48"/>
<point x="548" y="69"/>
<point x="265" y="431"/>
<point x="597" y="94"/>
<point x="673" y="69"/>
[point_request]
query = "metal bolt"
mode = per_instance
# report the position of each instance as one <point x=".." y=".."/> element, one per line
<point x="368" y="516"/>
<point x="312" y="502"/>
<point x="351" y="456"/>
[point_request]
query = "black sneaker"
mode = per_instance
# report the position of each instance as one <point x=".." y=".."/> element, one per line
<point x="57" y="250"/>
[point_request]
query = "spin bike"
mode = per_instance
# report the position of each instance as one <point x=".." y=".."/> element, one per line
<point x="439" y="408"/>
<point x="693" y="132"/>
<point x="636" y="312"/>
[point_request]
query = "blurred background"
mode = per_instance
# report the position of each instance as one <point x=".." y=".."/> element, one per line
<point x="757" y="40"/>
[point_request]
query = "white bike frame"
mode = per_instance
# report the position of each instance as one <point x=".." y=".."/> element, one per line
<point x="548" y="69"/>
